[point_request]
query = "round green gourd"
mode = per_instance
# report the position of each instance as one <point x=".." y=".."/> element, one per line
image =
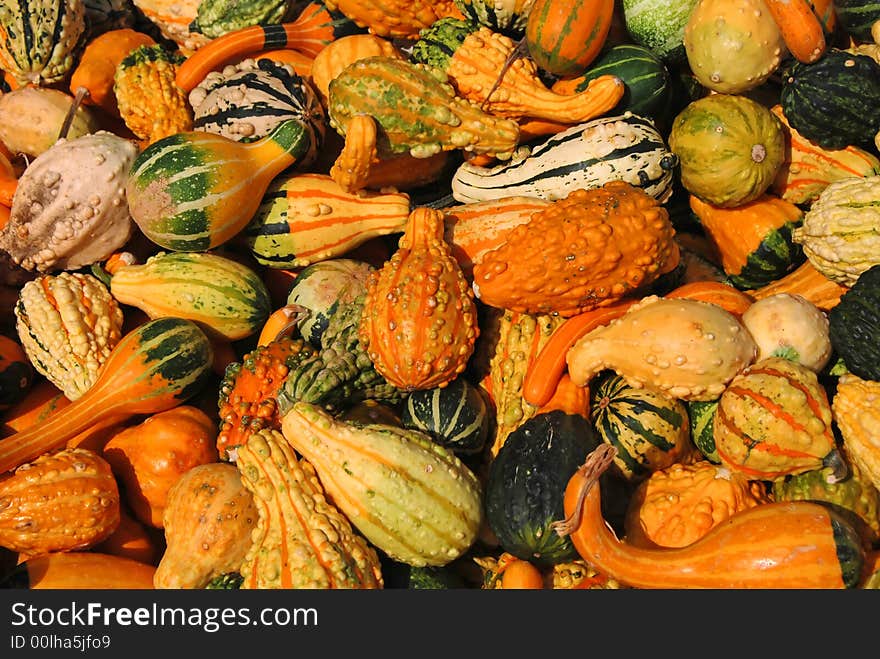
<point x="857" y="17"/>
<point x="833" y="101"/>
<point x="729" y="147"/>
<point x="853" y="323"/>
<point x="455" y="416"/>
<point x="527" y="480"/>
<point x="650" y="430"/>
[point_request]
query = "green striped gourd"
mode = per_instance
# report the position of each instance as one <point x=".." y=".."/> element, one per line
<point x="194" y="191"/>
<point x="412" y="499"/>
<point x="701" y="414"/>
<point x="226" y="298"/>
<point x="245" y="101"/>
<point x="157" y="366"/>
<point x="773" y="420"/>
<point x="38" y="39"/>
<point x="215" y="18"/>
<point x="659" y="26"/>
<point x="857" y="17"/>
<point x="456" y="416"/>
<point x="307" y="218"/>
<point x="508" y="17"/>
<point x="619" y="148"/>
<point x="649" y="429"/>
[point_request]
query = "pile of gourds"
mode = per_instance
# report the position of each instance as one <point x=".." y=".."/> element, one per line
<point x="440" y="294"/>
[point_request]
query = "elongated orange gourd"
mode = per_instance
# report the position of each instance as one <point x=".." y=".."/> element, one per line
<point x="798" y="544"/>
<point x="800" y="28"/>
<point x="153" y="368"/>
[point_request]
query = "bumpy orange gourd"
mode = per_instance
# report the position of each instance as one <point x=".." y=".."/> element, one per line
<point x="395" y="18"/>
<point x="59" y="502"/>
<point x="419" y="323"/>
<point x="587" y="250"/>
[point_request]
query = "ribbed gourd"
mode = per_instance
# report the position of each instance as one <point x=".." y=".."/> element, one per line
<point x="301" y="540"/>
<point x="419" y="322"/>
<point x="68" y="324"/>
<point x="149" y="101"/>
<point x="412" y="499"/>
<point x="39" y="40"/>
<point x="838" y="233"/>
<point x="225" y="297"/>
<point x="585" y="251"/>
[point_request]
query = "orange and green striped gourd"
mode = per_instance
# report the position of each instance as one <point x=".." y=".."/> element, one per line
<point x="564" y="37"/>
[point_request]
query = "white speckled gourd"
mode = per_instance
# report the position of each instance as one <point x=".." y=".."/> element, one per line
<point x="687" y="348"/>
<point x="70" y="208"/>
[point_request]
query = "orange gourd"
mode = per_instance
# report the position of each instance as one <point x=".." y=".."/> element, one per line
<point x="521" y="575"/>
<point x="807" y="282"/>
<point x="149" y="457"/>
<point x="801" y="29"/>
<point x="564" y="37"/>
<point x="788" y="545"/>
<point x="132" y="540"/>
<point x="83" y="570"/>
<point x="724" y="295"/>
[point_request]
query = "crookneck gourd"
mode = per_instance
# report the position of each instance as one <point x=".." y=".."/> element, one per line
<point x="686" y="348"/>
<point x="419" y="322"/>
<point x="584" y="251"/>
<point x="474" y="58"/>
<point x="416" y="110"/>
<point x="301" y="540"/>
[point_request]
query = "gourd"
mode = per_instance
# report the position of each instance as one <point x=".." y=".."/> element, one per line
<point x="824" y="101"/>
<point x="733" y="46"/>
<point x="96" y="67"/>
<point x="808" y="168"/>
<point x="769" y="546"/>
<point x="563" y="38"/>
<point x="855" y="411"/>
<point x="301" y="540"/>
<point x="154" y="367"/>
<point x="173" y="19"/>
<point x="526" y="481"/>
<point x="410" y="498"/>
<point x="686" y="348"/>
<point x="65" y="501"/>
<point x="587" y="250"/>
<point x="659" y="26"/>
<point x="193" y="191"/>
<point x="649" y="429"/>
<point x="315" y="26"/>
<point x="68" y="324"/>
<point x="587" y="155"/>
<point x="852" y="325"/>
<point x="729" y="148"/>
<point x="208" y="522"/>
<point x="857" y="17"/>
<point x="81" y="570"/>
<point x="395" y="18"/>
<point x="754" y="239"/>
<point x="31" y="119"/>
<point x="417" y="111"/>
<point x="774" y="419"/>
<point x="246" y="400"/>
<point x="789" y="326"/>
<point x="245" y="101"/>
<point x="419" y="322"/>
<point x="837" y="233"/>
<point x="148" y="100"/>
<point x="807" y="282"/>
<point x="16" y="374"/>
<point x="474" y="58"/>
<point x="226" y="298"/>
<point x="341" y="52"/>
<point x="306" y="218"/>
<point x="505" y="16"/>
<point x="131" y="539"/>
<point x="150" y="456"/>
<point x="677" y="505"/>
<point x="214" y="18"/>
<point x="701" y="414"/>
<point x="63" y="221"/>
<point x="38" y="45"/>
<point x="722" y="294"/>
<point x="456" y="416"/>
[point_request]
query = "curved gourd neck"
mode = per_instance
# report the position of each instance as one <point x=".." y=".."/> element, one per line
<point x="288" y="142"/>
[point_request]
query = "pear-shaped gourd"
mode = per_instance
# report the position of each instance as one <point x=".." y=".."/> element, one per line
<point x="686" y="348"/>
<point x="193" y="191"/>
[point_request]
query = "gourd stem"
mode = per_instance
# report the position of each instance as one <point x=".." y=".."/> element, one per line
<point x="595" y="465"/>
<point x="81" y="93"/>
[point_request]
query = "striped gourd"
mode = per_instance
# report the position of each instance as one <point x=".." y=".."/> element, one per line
<point x="774" y="419"/>
<point x="508" y="17"/>
<point x="411" y="498"/>
<point x="564" y="36"/>
<point x="306" y="218"/>
<point x="644" y="75"/>
<point x="857" y="17"/>
<point x="38" y="39"/>
<point x="245" y="101"/>
<point x="649" y="429"/>
<point x="659" y="26"/>
<point x="226" y="298"/>
<point x="456" y="416"/>
<point x="624" y="147"/>
<point x="808" y="168"/>
<point x="194" y="191"/>
<point x="701" y="414"/>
